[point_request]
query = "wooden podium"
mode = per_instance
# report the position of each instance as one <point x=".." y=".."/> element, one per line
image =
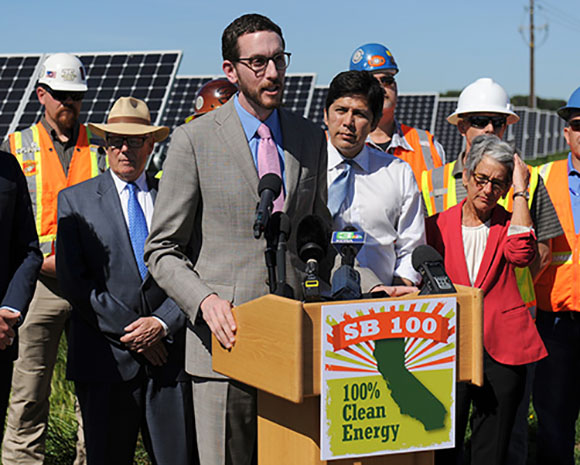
<point x="277" y="351"/>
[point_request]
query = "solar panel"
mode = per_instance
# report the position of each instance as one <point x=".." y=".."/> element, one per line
<point x="541" y="134"/>
<point x="529" y="151"/>
<point x="516" y="131"/>
<point x="298" y="91"/>
<point x="417" y="110"/>
<point x="144" y="75"/>
<point x="16" y="73"/>
<point x="446" y="133"/>
<point x="316" y="113"/>
<point x="181" y="101"/>
<point x="562" y="145"/>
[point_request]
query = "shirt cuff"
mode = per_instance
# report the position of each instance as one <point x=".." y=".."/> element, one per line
<point x="13" y="310"/>
<point x="514" y="229"/>
<point x="165" y="327"/>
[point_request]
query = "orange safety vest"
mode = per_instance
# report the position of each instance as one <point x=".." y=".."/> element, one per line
<point x="424" y="155"/>
<point x="557" y="288"/>
<point x="34" y="149"/>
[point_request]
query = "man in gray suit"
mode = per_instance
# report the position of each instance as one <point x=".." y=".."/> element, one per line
<point x="201" y="249"/>
<point x="126" y="339"/>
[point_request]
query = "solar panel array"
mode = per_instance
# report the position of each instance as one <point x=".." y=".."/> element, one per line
<point x="316" y="112"/>
<point x="151" y="76"/>
<point x="446" y="133"/>
<point x="17" y="76"/>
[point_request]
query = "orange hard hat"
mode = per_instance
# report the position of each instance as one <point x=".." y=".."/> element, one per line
<point x="212" y="95"/>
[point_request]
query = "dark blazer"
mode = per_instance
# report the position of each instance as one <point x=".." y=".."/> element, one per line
<point x="509" y="334"/>
<point x="20" y="257"/>
<point x="98" y="273"/>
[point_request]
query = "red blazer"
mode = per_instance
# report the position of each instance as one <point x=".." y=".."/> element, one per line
<point x="509" y="334"/>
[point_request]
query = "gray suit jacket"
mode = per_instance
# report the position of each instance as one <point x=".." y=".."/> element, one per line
<point x="201" y="239"/>
<point x="98" y="273"/>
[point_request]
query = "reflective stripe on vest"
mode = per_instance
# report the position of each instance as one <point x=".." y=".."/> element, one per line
<point x="424" y="155"/>
<point x="45" y="176"/>
<point x="557" y="287"/>
<point x="440" y="193"/>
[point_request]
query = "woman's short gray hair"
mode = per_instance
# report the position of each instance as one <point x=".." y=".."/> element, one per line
<point x="489" y="145"/>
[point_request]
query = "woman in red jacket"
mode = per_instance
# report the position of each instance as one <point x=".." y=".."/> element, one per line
<point x="482" y="244"/>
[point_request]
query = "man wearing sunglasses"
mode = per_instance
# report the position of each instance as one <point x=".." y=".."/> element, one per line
<point x="126" y="338"/>
<point x="54" y="153"/>
<point x="201" y="248"/>
<point x="415" y="146"/>
<point x="484" y="108"/>
<point x="557" y="382"/>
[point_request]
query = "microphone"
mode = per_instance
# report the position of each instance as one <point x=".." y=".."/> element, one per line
<point x="281" y="223"/>
<point x="346" y="280"/>
<point x="269" y="189"/>
<point x="312" y="245"/>
<point x="429" y="263"/>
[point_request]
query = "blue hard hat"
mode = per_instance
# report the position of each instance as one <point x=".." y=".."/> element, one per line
<point x="572" y="106"/>
<point x="373" y="57"/>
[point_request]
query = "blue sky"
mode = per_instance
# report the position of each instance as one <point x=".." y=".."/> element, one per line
<point x="439" y="45"/>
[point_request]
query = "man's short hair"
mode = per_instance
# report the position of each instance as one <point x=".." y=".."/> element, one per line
<point x="245" y="24"/>
<point x="361" y="83"/>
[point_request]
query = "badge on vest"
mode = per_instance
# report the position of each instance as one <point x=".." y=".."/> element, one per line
<point x="29" y="167"/>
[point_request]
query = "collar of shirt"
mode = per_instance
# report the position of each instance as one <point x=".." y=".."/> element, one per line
<point x="250" y="125"/>
<point x="121" y="185"/>
<point x="398" y="140"/>
<point x="458" y="168"/>
<point x="335" y="159"/>
<point x="72" y="140"/>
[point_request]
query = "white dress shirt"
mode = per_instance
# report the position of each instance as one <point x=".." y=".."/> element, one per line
<point x="145" y="199"/>
<point x="386" y="205"/>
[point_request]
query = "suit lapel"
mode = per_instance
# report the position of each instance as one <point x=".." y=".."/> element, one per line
<point x="458" y="253"/>
<point x="111" y="208"/>
<point x="292" y="143"/>
<point x="232" y="134"/>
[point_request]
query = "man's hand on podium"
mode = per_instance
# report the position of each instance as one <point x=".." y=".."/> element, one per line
<point x="395" y="291"/>
<point x="218" y="315"/>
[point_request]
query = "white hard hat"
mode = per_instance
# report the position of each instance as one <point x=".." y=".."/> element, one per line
<point x="63" y="71"/>
<point x="484" y="96"/>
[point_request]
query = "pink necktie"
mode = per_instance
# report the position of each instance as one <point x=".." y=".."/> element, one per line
<point x="269" y="161"/>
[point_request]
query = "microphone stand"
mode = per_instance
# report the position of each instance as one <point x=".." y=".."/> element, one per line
<point x="271" y="234"/>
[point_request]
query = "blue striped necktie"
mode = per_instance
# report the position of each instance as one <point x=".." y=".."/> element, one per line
<point x="339" y="189"/>
<point x="137" y="228"/>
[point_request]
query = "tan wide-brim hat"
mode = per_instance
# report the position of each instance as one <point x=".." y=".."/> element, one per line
<point x="130" y="116"/>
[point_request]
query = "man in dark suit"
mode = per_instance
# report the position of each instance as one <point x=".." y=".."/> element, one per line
<point x="20" y="261"/>
<point x="126" y="341"/>
<point x="201" y="249"/>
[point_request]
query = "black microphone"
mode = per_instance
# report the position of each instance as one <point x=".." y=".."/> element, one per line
<point x="346" y="280"/>
<point x="312" y="245"/>
<point x="282" y="225"/>
<point x="429" y="263"/>
<point x="269" y="189"/>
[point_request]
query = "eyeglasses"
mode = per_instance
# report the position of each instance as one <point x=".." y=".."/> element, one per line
<point x="480" y="122"/>
<point x="574" y="124"/>
<point x="482" y="180"/>
<point x="63" y="95"/>
<point x="258" y="63"/>
<point x="386" y="80"/>
<point x="133" y="142"/>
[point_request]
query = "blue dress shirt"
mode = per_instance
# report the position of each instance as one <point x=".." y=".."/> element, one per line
<point x="250" y="124"/>
<point x="574" y="186"/>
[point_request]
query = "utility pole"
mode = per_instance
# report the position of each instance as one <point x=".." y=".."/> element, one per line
<point x="532" y="96"/>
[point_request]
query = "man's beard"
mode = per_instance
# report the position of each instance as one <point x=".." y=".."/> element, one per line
<point x="255" y="95"/>
<point x="67" y="118"/>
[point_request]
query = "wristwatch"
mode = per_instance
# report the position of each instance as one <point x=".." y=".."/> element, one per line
<point x="524" y="194"/>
